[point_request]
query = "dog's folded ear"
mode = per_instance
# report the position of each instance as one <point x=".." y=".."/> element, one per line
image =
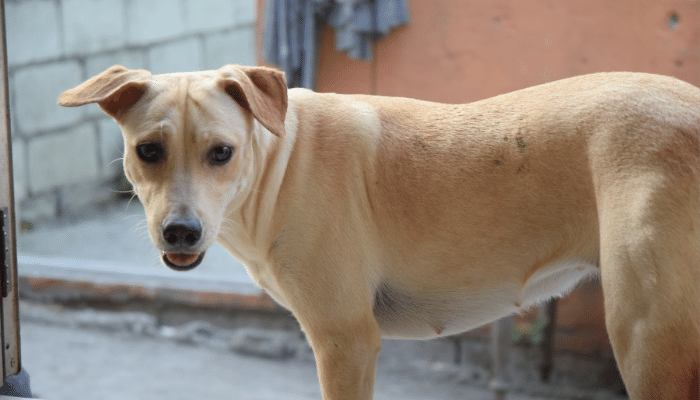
<point x="114" y="90"/>
<point x="260" y="90"/>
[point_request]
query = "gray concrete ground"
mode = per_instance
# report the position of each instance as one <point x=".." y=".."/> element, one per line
<point x="68" y="358"/>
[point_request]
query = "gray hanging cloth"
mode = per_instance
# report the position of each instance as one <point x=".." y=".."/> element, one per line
<point x="291" y="31"/>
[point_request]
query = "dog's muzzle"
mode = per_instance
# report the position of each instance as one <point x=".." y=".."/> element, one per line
<point x="181" y="236"/>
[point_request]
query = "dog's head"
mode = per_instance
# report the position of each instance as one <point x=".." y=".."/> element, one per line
<point x="189" y="144"/>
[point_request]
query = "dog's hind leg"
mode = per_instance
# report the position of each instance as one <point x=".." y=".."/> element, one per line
<point x="650" y="267"/>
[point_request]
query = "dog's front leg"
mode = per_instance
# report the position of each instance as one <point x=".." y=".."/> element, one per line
<point x="334" y="308"/>
<point x="346" y="355"/>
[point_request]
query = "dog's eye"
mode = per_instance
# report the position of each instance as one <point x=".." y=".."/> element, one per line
<point x="220" y="155"/>
<point x="150" y="152"/>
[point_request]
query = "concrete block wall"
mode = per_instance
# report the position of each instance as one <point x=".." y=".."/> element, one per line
<point x="64" y="158"/>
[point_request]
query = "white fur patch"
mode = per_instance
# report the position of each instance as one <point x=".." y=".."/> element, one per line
<point x="402" y="315"/>
<point x="555" y="280"/>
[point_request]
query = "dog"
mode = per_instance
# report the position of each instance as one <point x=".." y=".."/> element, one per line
<point x="371" y="216"/>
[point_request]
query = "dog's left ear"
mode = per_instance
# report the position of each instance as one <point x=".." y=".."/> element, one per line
<point x="114" y="90"/>
<point x="260" y="90"/>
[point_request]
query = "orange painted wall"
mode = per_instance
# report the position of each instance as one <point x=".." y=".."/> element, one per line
<point x="466" y="50"/>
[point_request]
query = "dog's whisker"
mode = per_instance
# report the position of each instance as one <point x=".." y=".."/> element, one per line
<point x="129" y="202"/>
<point x="141" y="226"/>
<point x="155" y="257"/>
<point x="143" y="235"/>
<point x="126" y="217"/>
<point x="227" y="230"/>
<point x="121" y="191"/>
<point x="115" y="160"/>
<point x="231" y="224"/>
<point x="229" y="227"/>
<point x="140" y="229"/>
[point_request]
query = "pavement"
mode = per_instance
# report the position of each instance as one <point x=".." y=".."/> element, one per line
<point x="89" y="355"/>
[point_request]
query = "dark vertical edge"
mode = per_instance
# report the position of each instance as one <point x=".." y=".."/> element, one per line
<point x="548" y="341"/>
<point x="10" y="304"/>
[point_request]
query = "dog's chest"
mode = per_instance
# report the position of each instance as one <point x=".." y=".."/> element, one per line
<point x="257" y="267"/>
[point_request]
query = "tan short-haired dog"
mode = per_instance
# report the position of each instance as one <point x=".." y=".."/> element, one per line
<point x="370" y="216"/>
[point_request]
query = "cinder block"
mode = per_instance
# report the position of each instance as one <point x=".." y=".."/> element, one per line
<point x="94" y="25"/>
<point x="33" y="31"/>
<point x="181" y="56"/>
<point x="19" y="168"/>
<point x="111" y="148"/>
<point x="246" y="11"/>
<point x="203" y="16"/>
<point x="63" y="159"/>
<point x="40" y="208"/>
<point x="81" y="199"/>
<point x="36" y="90"/>
<point x="134" y="59"/>
<point x="150" y="21"/>
<point x="236" y="47"/>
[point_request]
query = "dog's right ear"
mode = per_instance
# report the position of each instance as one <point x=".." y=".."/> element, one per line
<point x="260" y="90"/>
<point x="114" y="90"/>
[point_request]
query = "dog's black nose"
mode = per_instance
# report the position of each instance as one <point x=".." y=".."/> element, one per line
<point x="183" y="232"/>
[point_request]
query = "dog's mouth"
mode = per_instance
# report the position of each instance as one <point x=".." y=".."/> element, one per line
<point x="182" y="261"/>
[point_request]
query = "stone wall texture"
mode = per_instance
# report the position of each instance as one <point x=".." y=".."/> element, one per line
<point x="54" y="45"/>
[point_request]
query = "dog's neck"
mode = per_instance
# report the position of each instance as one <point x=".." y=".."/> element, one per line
<point x="255" y="217"/>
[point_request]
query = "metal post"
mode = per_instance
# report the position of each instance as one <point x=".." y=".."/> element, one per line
<point x="550" y="313"/>
<point x="9" y="317"/>
<point x="500" y="354"/>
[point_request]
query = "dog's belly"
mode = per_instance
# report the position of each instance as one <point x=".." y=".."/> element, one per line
<point x="405" y="314"/>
